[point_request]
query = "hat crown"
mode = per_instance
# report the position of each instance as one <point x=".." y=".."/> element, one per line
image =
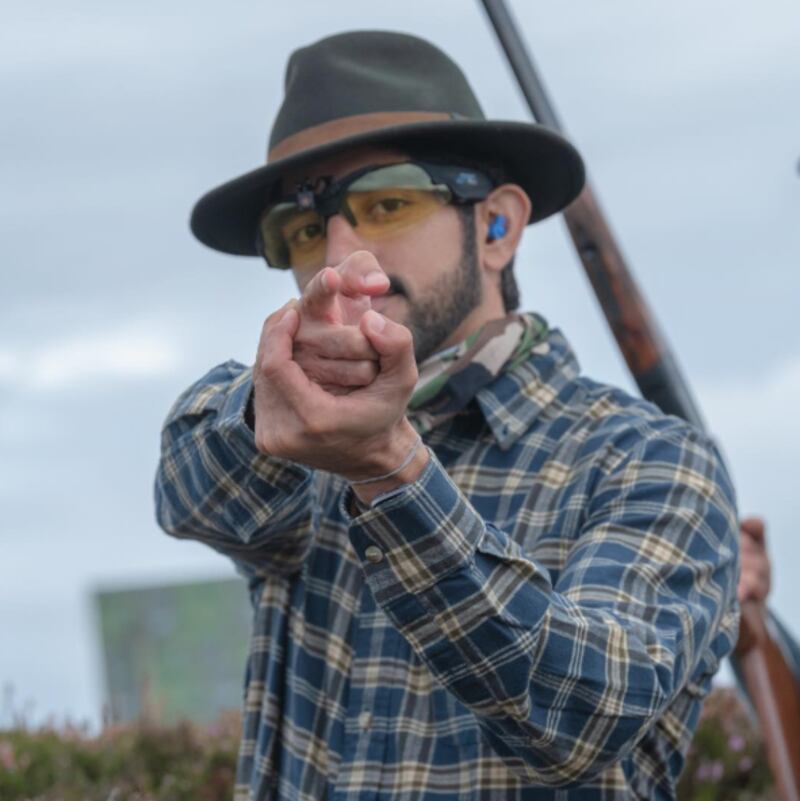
<point x="363" y="72"/>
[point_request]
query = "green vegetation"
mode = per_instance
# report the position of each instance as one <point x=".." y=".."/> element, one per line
<point x="727" y="761"/>
<point x="142" y="762"/>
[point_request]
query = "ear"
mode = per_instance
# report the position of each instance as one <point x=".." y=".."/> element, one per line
<point x="510" y="201"/>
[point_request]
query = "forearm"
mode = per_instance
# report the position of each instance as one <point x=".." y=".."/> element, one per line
<point x="213" y="485"/>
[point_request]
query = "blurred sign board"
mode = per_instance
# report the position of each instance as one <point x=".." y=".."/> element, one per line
<point x="174" y="652"/>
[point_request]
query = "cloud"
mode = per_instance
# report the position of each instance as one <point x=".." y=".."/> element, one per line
<point x="757" y="413"/>
<point x="131" y="352"/>
<point x="9" y="365"/>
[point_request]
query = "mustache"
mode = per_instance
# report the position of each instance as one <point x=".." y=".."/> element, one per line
<point x="397" y="286"/>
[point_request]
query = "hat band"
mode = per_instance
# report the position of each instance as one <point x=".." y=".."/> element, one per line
<point x="345" y="127"/>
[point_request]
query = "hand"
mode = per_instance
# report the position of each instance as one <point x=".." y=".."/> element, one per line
<point x="328" y="346"/>
<point x="755" y="576"/>
<point x="358" y="435"/>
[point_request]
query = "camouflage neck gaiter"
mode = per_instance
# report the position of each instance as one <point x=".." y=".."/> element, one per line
<point x="450" y="379"/>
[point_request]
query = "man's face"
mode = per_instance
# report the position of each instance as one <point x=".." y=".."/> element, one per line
<point x="432" y="266"/>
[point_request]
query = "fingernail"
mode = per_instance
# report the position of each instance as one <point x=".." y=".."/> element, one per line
<point x="288" y="317"/>
<point x="327" y="278"/>
<point x="374" y="279"/>
<point x="375" y="322"/>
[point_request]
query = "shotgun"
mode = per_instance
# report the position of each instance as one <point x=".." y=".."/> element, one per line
<point x="660" y="380"/>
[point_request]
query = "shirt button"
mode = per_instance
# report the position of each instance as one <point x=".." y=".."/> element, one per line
<point x="364" y="720"/>
<point x="374" y="554"/>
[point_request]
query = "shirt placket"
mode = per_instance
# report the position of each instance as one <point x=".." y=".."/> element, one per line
<point x="367" y="722"/>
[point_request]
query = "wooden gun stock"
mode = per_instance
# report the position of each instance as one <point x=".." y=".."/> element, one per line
<point x="633" y="325"/>
<point x="775" y="693"/>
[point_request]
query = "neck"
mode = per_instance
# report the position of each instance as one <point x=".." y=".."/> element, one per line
<point x="474" y="321"/>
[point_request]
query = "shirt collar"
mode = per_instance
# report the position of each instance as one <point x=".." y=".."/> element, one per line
<point x="518" y="396"/>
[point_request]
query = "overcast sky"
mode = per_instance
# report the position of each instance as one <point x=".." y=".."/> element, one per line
<point x="115" y="118"/>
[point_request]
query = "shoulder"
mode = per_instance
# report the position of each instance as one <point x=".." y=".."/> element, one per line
<point x="610" y="430"/>
<point x="608" y="413"/>
<point x="637" y="452"/>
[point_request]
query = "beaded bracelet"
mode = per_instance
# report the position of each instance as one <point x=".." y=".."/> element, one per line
<point x="404" y="464"/>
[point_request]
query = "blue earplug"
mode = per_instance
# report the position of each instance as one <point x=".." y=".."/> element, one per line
<point x="498" y="227"/>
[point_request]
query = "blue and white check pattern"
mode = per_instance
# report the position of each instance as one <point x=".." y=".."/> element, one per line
<point x="537" y="617"/>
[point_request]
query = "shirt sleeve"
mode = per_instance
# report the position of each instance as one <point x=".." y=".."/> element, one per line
<point x="213" y="485"/>
<point x="565" y="678"/>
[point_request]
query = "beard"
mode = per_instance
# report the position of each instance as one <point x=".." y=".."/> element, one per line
<point x="433" y="318"/>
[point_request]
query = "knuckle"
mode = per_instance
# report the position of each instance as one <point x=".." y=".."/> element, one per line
<point x="339" y="374"/>
<point x="313" y="426"/>
<point x="347" y="342"/>
<point x="352" y="343"/>
<point x="359" y="263"/>
<point x="346" y="373"/>
<point x="335" y="372"/>
<point x="368" y="371"/>
<point x="316" y="282"/>
<point x="360" y="260"/>
<point x="413" y="377"/>
<point x="353" y="375"/>
<point x="264" y="445"/>
<point x="304" y="356"/>
<point x="267" y="326"/>
<point x="404" y="337"/>
<point x="265" y="441"/>
<point x="312" y="289"/>
<point x="268" y="367"/>
<point x="276" y="316"/>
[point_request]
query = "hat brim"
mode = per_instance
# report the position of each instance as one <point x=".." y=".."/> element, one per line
<point x="543" y="163"/>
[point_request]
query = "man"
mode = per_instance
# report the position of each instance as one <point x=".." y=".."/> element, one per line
<point x="475" y="573"/>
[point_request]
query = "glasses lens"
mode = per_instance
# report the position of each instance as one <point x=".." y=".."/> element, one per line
<point x="384" y="212"/>
<point x="389" y="199"/>
<point x="293" y="237"/>
<point x="378" y="203"/>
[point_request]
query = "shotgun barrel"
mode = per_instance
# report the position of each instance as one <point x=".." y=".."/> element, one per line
<point x="650" y="361"/>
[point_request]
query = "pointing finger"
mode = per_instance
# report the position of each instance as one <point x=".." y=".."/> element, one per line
<point x="319" y="296"/>
<point x="361" y="274"/>
<point x="334" y="342"/>
<point x="755" y="527"/>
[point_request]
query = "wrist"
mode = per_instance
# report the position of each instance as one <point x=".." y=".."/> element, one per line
<point x="397" y="461"/>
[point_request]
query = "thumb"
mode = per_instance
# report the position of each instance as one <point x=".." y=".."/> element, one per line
<point x="755" y="527"/>
<point x="277" y="335"/>
<point x="394" y="345"/>
<point x="281" y="328"/>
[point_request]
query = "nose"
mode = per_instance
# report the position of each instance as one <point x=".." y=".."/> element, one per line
<point x="341" y="239"/>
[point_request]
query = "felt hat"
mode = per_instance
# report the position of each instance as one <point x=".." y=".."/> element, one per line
<point x="389" y="89"/>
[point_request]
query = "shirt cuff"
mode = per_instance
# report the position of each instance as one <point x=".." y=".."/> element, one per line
<point x="413" y="536"/>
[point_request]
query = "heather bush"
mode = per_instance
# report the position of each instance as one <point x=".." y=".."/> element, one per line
<point x="186" y="762"/>
<point x="727" y="761"/>
<point x="143" y="762"/>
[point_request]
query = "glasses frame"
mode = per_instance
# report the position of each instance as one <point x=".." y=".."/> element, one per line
<point x="327" y="195"/>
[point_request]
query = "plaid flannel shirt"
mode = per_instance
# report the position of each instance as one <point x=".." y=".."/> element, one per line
<point x="538" y="616"/>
